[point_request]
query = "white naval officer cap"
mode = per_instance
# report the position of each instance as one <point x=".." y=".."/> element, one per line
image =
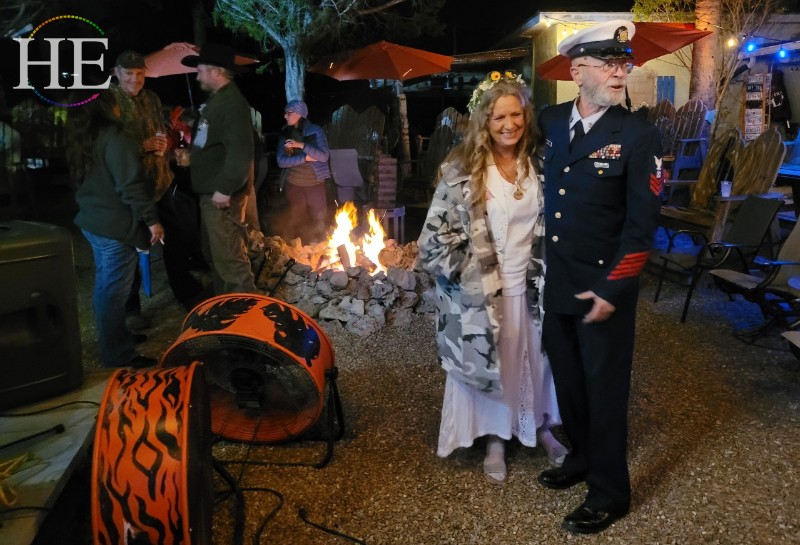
<point x="609" y="40"/>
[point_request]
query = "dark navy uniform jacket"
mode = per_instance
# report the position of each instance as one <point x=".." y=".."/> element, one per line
<point x="601" y="206"/>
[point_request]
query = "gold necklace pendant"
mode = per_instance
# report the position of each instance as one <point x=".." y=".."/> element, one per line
<point x="518" y="194"/>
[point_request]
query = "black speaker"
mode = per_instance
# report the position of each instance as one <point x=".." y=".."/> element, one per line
<point x="40" y="343"/>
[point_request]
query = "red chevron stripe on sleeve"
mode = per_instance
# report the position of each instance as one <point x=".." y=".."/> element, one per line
<point x="630" y="266"/>
<point x="656" y="183"/>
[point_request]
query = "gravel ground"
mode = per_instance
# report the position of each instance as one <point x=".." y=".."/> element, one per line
<point x="714" y="441"/>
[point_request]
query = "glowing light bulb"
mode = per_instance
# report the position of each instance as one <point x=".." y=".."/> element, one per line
<point x="750" y="47"/>
<point x="782" y="53"/>
<point x="731" y="42"/>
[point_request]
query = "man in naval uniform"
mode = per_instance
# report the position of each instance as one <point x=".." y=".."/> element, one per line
<point x="602" y="184"/>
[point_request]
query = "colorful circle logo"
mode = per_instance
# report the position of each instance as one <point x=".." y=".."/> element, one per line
<point x="69" y="27"/>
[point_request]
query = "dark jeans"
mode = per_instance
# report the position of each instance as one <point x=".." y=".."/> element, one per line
<point x="114" y="266"/>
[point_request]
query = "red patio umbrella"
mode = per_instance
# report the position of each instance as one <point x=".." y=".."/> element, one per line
<point x="385" y="60"/>
<point x="382" y="60"/>
<point x="650" y="41"/>
<point x="167" y="62"/>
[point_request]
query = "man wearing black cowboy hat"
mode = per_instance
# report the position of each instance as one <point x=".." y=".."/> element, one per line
<point x="220" y="166"/>
<point x="603" y="179"/>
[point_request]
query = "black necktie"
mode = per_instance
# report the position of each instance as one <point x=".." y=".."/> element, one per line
<point x="578" y="134"/>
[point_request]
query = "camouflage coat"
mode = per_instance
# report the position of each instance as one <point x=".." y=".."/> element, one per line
<point x="456" y="247"/>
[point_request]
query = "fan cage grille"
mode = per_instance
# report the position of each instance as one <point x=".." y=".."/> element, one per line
<point x="284" y="400"/>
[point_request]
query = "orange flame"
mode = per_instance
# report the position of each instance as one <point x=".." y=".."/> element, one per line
<point x="370" y="245"/>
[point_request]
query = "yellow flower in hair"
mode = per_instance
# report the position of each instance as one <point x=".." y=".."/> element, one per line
<point x="490" y="81"/>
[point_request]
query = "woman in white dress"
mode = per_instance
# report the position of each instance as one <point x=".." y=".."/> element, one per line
<point x="482" y="242"/>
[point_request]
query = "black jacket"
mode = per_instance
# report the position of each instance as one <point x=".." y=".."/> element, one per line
<point x="601" y="206"/>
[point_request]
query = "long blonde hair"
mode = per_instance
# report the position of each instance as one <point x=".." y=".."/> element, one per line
<point x="474" y="153"/>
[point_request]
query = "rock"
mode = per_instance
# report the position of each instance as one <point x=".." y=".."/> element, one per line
<point x="427" y="302"/>
<point x="363" y="325"/>
<point x="407" y="299"/>
<point x="378" y="290"/>
<point x="399" y="317"/>
<point x="403" y="278"/>
<point x="325" y="289"/>
<point x="375" y="309"/>
<point x="332" y="311"/>
<point x="309" y="307"/>
<point x="338" y="280"/>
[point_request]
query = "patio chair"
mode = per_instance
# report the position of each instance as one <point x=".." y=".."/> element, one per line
<point x="347" y="176"/>
<point x="689" y="144"/>
<point x="662" y="115"/>
<point x="685" y="264"/>
<point x="754" y="168"/>
<point x="773" y="287"/>
<point x="419" y="184"/>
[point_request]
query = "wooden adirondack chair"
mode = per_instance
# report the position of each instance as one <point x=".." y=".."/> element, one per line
<point x="419" y="185"/>
<point x="757" y="167"/>
<point x="688" y="146"/>
<point x="718" y="165"/>
<point x="754" y="167"/>
<point x="453" y="119"/>
<point x="663" y="116"/>
<point x="363" y="132"/>
<point x="360" y="131"/>
<point x="449" y="117"/>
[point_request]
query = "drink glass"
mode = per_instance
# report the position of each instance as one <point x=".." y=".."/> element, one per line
<point x="725" y="188"/>
<point x="160" y="153"/>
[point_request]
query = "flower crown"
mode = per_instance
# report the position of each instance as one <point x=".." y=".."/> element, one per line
<point x="491" y="79"/>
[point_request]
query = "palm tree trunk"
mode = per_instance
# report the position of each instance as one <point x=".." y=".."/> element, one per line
<point x="702" y="83"/>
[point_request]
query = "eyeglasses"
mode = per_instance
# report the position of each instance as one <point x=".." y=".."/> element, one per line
<point x="612" y="65"/>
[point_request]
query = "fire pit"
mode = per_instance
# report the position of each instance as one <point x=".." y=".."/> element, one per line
<point x="364" y="282"/>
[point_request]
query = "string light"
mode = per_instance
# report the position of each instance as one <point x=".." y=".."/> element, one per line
<point x="732" y="42"/>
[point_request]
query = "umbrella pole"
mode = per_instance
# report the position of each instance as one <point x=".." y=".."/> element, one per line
<point x="189" y="87"/>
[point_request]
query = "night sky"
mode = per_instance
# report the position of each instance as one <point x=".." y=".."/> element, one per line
<point x="472" y="26"/>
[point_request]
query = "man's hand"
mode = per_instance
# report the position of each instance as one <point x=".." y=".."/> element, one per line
<point x="220" y="200"/>
<point x="156" y="233"/>
<point x="601" y="309"/>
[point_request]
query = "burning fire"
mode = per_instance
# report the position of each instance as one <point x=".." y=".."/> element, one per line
<point x="343" y="251"/>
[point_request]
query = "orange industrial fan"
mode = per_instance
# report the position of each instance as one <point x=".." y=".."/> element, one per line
<point x="266" y="362"/>
<point x="151" y="470"/>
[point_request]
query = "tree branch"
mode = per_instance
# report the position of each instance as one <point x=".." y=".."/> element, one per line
<point x="382" y="7"/>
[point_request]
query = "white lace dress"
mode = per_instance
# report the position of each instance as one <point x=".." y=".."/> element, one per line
<point x="528" y="390"/>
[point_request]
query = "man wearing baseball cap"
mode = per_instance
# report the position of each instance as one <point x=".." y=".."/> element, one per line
<point x="221" y="164"/>
<point x="143" y="120"/>
<point x="603" y="179"/>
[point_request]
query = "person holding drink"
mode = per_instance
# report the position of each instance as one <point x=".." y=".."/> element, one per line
<point x="143" y="122"/>
<point x="303" y="153"/>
